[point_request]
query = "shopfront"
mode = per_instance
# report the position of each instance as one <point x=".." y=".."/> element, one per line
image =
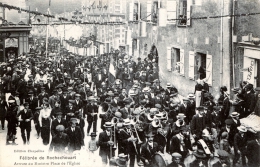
<point x="248" y="63"/>
<point x="13" y="41"/>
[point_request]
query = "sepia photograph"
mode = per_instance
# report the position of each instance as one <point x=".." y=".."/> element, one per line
<point x="130" y="83"/>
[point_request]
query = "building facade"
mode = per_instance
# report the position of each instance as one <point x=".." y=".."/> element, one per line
<point x="193" y="45"/>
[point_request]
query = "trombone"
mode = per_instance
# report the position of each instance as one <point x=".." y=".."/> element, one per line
<point x="114" y="121"/>
<point x="133" y="122"/>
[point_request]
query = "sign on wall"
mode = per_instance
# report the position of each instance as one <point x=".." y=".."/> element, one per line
<point x="249" y="74"/>
<point x="11" y="42"/>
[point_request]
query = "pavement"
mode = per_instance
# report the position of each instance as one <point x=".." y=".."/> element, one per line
<point x="37" y="154"/>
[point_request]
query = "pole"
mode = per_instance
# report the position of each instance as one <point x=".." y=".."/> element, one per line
<point x="47" y="34"/>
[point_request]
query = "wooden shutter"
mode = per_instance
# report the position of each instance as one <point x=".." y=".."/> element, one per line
<point x="139" y="11"/>
<point x="191" y="64"/>
<point x="189" y="3"/>
<point x="209" y="69"/>
<point x="149" y="11"/>
<point x="169" y="59"/>
<point x="182" y="61"/>
<point x="171" y="11"/>
<point x="131" y="11"/>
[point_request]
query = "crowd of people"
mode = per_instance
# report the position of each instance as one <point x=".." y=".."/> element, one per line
<point x="142" y="121"/>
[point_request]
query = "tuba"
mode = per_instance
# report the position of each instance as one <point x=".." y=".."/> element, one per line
<point x="156" y="123"/>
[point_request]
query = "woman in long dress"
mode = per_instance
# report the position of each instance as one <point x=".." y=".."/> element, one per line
<point x="198" y="89"/>
<point x="45" y="122"/>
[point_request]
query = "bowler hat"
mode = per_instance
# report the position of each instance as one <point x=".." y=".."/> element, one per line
<point x="150" y="134"/>
<point x="200" y="153"/>
<point x="93" y="134"/>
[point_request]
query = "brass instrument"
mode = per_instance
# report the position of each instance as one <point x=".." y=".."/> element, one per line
<point x="156" y="123"/>
<point x="133" y="122"/>
<point x="111" y="146"/>
<point x="114" y="121"/>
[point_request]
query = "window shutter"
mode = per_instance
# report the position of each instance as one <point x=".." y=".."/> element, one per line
<point x="171" y="11"/>
<point x="189" y="3"/>
<point x="182" y="61"/>
<point x="191" y="64"/>
<point x="169" y="59"/>
<point x="149" y="11"/>
<point x="209" y="69"/>
<point x="131" y="11"/>
<point x="139" y="10"/>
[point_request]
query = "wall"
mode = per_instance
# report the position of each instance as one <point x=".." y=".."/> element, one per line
<point x="200" y="29"/>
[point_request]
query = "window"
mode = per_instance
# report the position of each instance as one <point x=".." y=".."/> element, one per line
<point x="134" y="44"/>
<point x="200" y="66"/>
<point x="155" y="12"/>
<point x="184" y="12"/>
<point x="171" y="11"/>
<point x="134" y="11"/>
<point x="175" y="60"/>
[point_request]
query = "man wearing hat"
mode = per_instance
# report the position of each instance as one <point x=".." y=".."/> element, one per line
<point x="198" y="123"/>
<point x="60" y="142"/>
<point x="42" y="95"/>
<point x="64" y="99"/>
<point x="148" y="149"/>
<point x="240" y="144"/>
<point x="120" y="161"/>
<point x="180" y="142"/>
<point x="3" y="108"/>
<point x="233" y="128"/>
<point x="129" y="142"/>
<point x="49" y="86"/>
<point x="201" y="158"/>
<point x="176" y="160"/>
<point x="257" y="101"/>
<point x="78" y="102"/>
<point x="106" y="143"/>
<point x="33" y="101"/>
<point x="25" y="122"/>
<point x="54" y="98"/>
<point x="91" y="111"/>
<point x="75" y="136"/>
<point x="253" y="149"/>
<point x="58" y="121"/>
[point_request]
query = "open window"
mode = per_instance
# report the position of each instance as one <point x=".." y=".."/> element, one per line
<point x="175" y="60"/>
<point x="134" y="11"/>
<point x="200" y="66"/>
<point x="184" y="12"/>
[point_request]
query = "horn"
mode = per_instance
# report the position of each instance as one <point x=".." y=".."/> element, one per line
<point x="150" y="117"/>
<point x="114" y="120"/>
<point x="156" y="123"/>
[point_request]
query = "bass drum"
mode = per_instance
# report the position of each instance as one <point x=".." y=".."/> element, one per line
<point x="161" y="160"/>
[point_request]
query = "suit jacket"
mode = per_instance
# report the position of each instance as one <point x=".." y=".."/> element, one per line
<point x="233" y="131"/>
<point x="197" y="125"/>
<point x="55" y="123"/>
<point x="240" y="142"/>
<point x="124" y="113"/>
<point x="88" y="110"/>
<point x="64" y="101"/>
<point x="76" y="139"/>
<point x="33" y="103"/>
<point x="79" y="105"/>
<point x="48" y="89"/>
<point x="128" y="145"/>
<point x="104" y="147"/>
<point x="52" y="100"/>
<point x="147" y="153"/>
<point x="24" y="116"/>
<point x="253" y="149"/>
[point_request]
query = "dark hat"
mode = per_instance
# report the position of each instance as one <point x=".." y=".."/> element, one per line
<point x="228" y="121"/>
<point x="93" y="134"/>
<point x="108" y="100"/>
<point x="72" y="101"/>
<point x="58" y="113"/>
<point x="200" y="108"/>
<point x="43" y="87"/>
<point x="60" y="128"/>
<point x="26" y="104"/>
<point x="236" y="89"/>
<point x="200" y="153"/>
<point x="121" y="160"/>
<point x="73" y="120"/>
<point x="127" y="101"/>
<point x="150" y="134"/>
<point x="257" y="89"/>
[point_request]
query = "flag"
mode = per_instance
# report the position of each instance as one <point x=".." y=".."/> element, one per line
<point x="112" y="71"/>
